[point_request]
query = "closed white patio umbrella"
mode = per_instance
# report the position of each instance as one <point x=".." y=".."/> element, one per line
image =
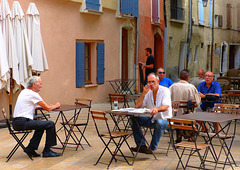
<point x="35" y="39"/>
<point x="7" y="32"/>
<point x="4" y="69"/>
<point x="22" y="44"/>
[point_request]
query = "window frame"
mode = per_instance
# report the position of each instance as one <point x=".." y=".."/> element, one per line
<point x="89" y="69"/>
<point x="177" y="10"/>
<point x="158" y="15"/>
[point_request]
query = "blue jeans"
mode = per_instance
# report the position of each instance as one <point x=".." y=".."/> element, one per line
<point x="158" y="126"/>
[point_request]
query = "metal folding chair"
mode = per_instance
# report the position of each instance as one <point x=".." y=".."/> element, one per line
<point x="15" y="134"/>
<point x="190" y="144"/>
<point x="223" y="131"/>
<point x="108" y="137"/>
<point x="75" y="125"/>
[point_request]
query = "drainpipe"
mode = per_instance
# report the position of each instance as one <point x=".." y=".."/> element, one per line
<point x="212" y="34"/>
<point x="189" y="32"/>
<point x="165" y="38"/>
<point x="136" y="64"/>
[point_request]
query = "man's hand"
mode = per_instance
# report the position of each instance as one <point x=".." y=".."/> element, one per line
<point x="154" y="111"/>
<point x="202" y="95"/>
<point x="57" y="105"/>
<point x="146" y="89"/>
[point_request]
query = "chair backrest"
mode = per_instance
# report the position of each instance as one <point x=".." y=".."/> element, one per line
<point x="187" y="127"/>
<point x="183" y="106"/>
<point x="98" y="118"/>
<point x="121" y="98"/>
<point x="226" y="108"/>
<point x="83" y="101"/>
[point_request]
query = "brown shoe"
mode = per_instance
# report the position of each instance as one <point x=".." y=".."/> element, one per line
<point x="141" y="149"/>
<point x="147" y="150"/>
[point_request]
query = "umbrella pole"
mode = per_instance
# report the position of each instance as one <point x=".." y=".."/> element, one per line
<point x="10" y="96"/>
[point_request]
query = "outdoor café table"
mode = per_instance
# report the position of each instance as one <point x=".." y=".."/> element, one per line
<point x="121" y="86"/>
<point x="131" y="115"/>
<point x="209" y="117"/>
<point x="62" y="117"/>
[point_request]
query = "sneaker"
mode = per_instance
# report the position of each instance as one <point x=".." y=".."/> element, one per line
<point x="50" y="154"/>
<point x="31" y="152"/>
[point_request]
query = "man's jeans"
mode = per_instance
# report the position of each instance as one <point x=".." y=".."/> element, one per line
<point x="158" y="125"/>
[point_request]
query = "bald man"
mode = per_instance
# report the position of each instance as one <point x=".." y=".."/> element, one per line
<point x="209" y="87"/>
<point x="197" y="80"/>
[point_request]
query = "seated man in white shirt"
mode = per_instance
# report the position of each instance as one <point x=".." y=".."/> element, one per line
<point x="23" y="119"/>
<point x="157" y="98"/>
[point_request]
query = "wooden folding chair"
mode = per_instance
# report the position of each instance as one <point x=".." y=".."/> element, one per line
<point x="190" y="144"/>
<point x="121" y="98"/>
<point x="15" y="134"/>
<point x="222" y="132"/>
<point x="78" y="126"/>
<point x="108" y="137"/>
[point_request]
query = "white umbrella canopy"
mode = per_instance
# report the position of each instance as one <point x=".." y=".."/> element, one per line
<point x="8" y="37"/>
<point x="35" y="39"/>
<point x="4" y="69"/>
<point x="22" y="44"/>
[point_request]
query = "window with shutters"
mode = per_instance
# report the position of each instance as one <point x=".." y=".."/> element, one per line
<point x="218" y="21"/>
<point x="177" y="11"/>
<point x="155" y="11"/>
<point x="91" y="6"/>
<point x="89" y="63"/>
<point x="238" y="17"/>
<point x="229" y="16"/>
<point x="127" y="8"/>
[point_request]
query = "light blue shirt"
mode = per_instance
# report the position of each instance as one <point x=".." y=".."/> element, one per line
<point x="166" y="82"/>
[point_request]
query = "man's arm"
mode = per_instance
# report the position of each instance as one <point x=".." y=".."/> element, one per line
<point x="47" y="107"/>
<point x="162" y="108"/>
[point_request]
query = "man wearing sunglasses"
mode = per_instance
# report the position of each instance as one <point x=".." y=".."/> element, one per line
<point x="163" y="81"/>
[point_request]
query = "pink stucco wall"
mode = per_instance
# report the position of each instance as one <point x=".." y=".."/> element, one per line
<point x="61" y="25"/>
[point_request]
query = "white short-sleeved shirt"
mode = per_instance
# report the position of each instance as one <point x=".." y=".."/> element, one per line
<point x="26" y="104"/>
<point x="163" y="98"/>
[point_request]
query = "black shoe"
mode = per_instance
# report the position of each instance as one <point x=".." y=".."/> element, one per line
<point x="50" y="154"/>
<point x="31" y="152"/>
<point x="141" y="150"/>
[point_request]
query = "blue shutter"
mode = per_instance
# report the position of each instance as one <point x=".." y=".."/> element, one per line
<point x="210" y="13"/>
<point x="129" y="7"/>
<point x="100" y="63"/>
<point x="124" y="7"/>
<point x="134" y="8"/>
<point x="200" y="12"/>
<point x="80" y="64"/>
<point x="92" y="4"/>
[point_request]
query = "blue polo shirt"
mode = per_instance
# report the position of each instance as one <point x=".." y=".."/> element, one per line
<point x="166" y="82"/>
<point x="215" y="88"/>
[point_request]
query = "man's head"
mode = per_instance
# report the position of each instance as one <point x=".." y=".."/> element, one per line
<point x="209" y="77"/>
<point x="184" y="75"/>
<point x="148" y="51"/>
<point x="34" y="83"/>
<point x="153" y="81"/>
<point x="161" y="73"/>
<point x="200" y="74"/>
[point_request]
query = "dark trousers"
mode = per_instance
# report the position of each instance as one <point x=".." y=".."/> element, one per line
<point x="39" y="127"/>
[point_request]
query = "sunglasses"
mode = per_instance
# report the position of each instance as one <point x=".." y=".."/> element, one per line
<point x="161" y="72"/>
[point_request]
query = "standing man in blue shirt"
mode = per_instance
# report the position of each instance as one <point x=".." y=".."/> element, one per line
<point x="209" y="87"/>
<point x="163" y="81"/>
<point x="149" y="65"/>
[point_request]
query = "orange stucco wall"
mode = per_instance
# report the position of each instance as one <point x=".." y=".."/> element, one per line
<point x="61" y="25"/>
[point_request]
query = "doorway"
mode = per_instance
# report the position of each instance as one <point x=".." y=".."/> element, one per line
<point x="158" y="51"/>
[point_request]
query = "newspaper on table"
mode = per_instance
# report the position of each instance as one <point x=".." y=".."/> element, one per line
<point x="134" y="110"/>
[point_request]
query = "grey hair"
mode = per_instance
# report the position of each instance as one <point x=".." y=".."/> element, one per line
<point x="33" y="79"/>
<point x="154" y="74"/>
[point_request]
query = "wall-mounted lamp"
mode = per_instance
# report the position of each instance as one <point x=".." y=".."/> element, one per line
<point x="205" y="2"/>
